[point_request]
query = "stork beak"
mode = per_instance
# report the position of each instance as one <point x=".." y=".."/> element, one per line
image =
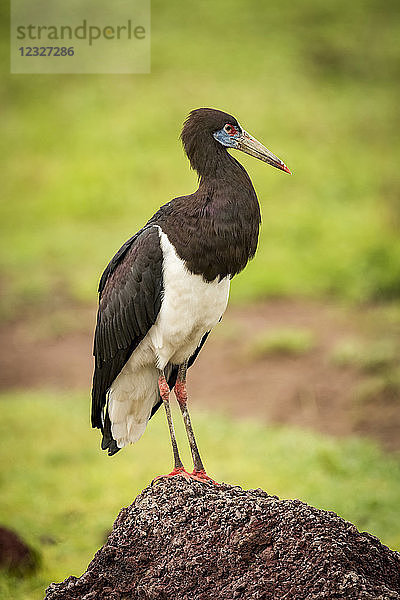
<point x="246" y="143"/>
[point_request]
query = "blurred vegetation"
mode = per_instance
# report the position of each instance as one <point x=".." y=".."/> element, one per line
<point x="87" y="159"/>
<point x="281" y="342"/>
<point x="378" y="361"/>
<point x="61" y="484"/>
<point x="370" y="358"/>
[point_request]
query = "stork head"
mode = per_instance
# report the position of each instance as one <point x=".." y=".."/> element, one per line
<point x="204" y="124"/>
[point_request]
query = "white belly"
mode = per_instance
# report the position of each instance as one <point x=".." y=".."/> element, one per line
<point x="190" y="308"/>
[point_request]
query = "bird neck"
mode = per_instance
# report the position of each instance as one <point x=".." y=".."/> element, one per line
<point x="230" y="178"/>
<point x="228" y="195"/>
<point x="212" y="161"/>
<point x="215" y="230"/>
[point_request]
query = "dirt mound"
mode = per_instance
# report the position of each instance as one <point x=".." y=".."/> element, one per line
<point x="182" y="540"/>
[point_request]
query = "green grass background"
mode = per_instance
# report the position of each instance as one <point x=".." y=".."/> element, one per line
<point x="87" y="159"/>
<point x="57" y="483"/>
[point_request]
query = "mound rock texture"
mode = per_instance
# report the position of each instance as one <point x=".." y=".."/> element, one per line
<point x="197" y="541"/>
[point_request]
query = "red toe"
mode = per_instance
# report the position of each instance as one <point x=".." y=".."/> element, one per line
<point x="175" y="473"/>
<point x="196" y="475"/>
<point x="202" y="476"/>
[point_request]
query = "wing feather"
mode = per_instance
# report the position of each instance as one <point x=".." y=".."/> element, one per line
<point x="130" y="292"/>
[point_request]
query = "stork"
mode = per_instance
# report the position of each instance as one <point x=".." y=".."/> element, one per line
<point x="168" y="286"/>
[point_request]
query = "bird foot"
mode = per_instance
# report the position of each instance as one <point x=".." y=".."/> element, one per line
<point x="196" y="475"/>
<point x="202" y="476"/>
<point x="174" y="473"/>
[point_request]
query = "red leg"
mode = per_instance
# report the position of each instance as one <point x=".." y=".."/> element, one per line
<point x="198" y="473"/>
<point x="180" y="390"/>
<point x="164" y="393"/>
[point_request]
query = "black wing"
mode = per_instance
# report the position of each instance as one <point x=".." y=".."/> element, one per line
<point x="130" y="292"/>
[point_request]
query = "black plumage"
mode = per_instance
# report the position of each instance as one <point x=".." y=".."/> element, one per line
<point x="214" y="231"/>
<point x="130" y="299"/>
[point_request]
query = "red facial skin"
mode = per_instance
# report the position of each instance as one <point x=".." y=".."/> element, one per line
<point x="233" y="130"/>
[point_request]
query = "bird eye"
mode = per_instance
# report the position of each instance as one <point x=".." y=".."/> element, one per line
<point x="230" y="129"/>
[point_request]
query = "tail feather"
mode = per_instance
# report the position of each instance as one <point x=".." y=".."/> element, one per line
<point x="108" y="442"/>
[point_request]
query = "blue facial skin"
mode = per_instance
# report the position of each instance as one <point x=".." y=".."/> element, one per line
<point x="227" y="140"/>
